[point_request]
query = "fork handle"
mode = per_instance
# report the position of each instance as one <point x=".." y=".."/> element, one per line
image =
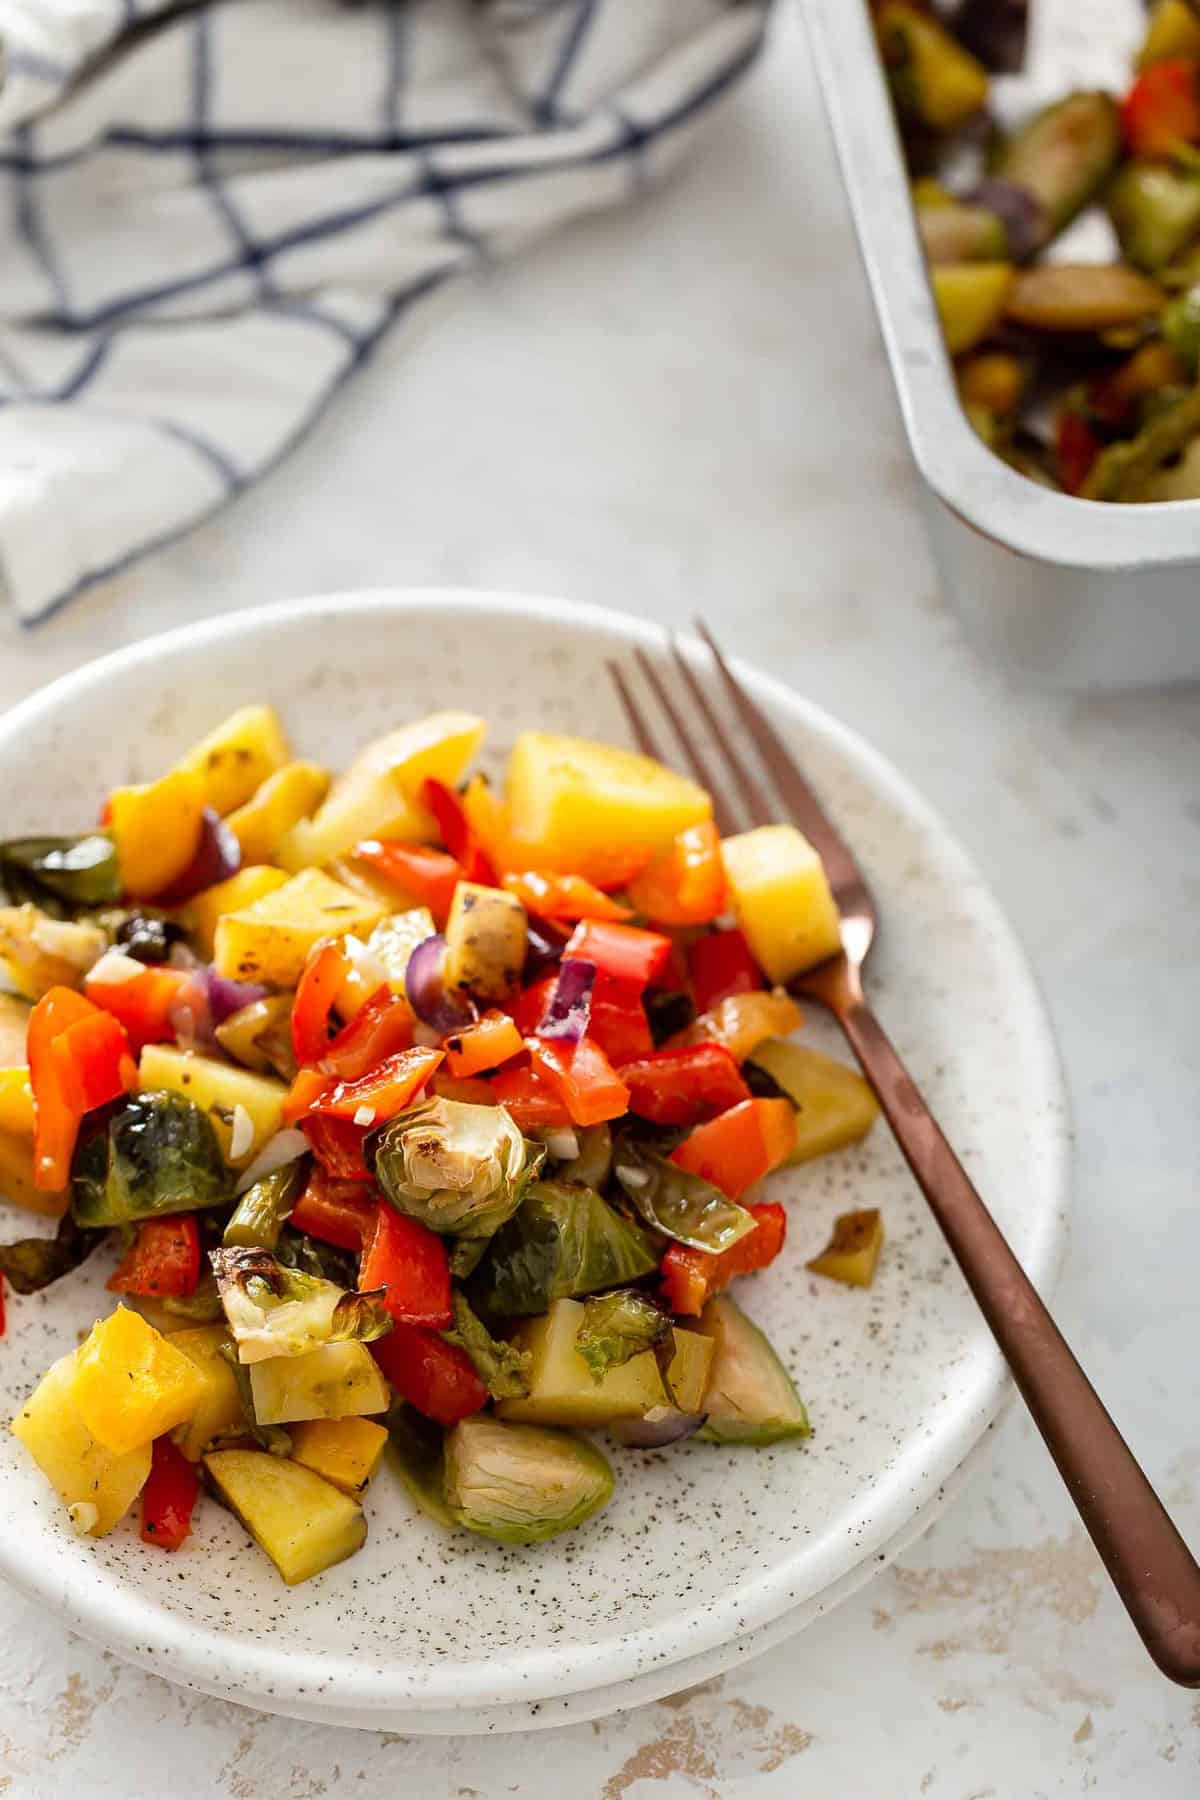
<point x="1151" y="1567"/>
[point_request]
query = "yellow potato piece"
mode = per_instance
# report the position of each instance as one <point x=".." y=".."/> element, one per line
<point x="14" y="1027"/>
<point x="220" y="1088"/>
<point x="853" y="1251"/>
<point x="563" y="1390"/>
<point x="380" y="793"/>
<point x="970" y="299"/>
<point x="246" y="888"/>
<point x="16" y="1179"/>
<point x="99" y="1485"/>
<point x="575" y="805"/>
<point x="218" y="1409"/>
<point x="335" y="1381"/>
<point x="302" y="1522"/>
<point x="835" y="1106"/>
<point x="284" y="798"/>
<point x="131" y="1384"/>
<point x="156" y="830"/>
<point x="782" y="899"/>
<point x="270" y="940"/>
<point x="235" y="759"/>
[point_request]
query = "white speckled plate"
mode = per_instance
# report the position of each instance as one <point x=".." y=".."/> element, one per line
<point x="704" y="1553"/>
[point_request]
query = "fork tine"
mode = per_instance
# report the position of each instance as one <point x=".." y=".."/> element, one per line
<point x="637" y="723"/>
<point x="802" y="803"/>
<point x="722" y="812"/>
<point x="756" y="801"/>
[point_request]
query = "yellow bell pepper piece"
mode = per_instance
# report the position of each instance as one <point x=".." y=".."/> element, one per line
<point x="156" y="830"/>
<point x="291" y="794"/>
<point x="131" y="1384"/>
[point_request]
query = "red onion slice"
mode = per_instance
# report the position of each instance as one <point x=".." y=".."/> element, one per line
<point x="226" y="996"/>
<point x="662" y="1425"/>
<point x="441" y="1010"/>
<point x="570" y="1006"/>
<point x="544" y="946"/>
<point x="218" y="856"/>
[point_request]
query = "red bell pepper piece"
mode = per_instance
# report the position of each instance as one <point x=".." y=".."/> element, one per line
<point x="685" y="884"/>
<point x="1162" y="108"/>
<point x="324" y="972"/>
<point x="549" y="896"/>
<point x="410" y="1261"/>
<point x="78" y="1059"/>
<point x="437" y="1378"/>
<point x="624" y="951"/>
<point x="582" y="1076"/>
<point x="720" y="965"/>
<point x="690" y="1277"/>
<point x="740" y="1146"/>
<point x="493" y="1040"/>
<point x="531" y="1101"/>
<point x="338" y="1147"/>
<point x="169" y="1496"/>
<point x="164" y="1259"/>
<point x="682" y="1087"/>
<point x="427" y="877"/>
<point x="336" y="1211"/>
<point x="146" y="1004"/>
<point x="1076" y="447"/>
<point x="531" y="1003"/>
<point x="456" y="833"/>
<point x="383" y="1026"/>
<point x="386" y="1090"/>
<point x="618" y="1021"/>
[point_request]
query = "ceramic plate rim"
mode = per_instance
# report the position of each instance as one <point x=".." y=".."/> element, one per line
<point x="182" y="1650"/>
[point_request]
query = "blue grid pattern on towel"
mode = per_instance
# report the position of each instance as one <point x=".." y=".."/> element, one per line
<point x="216" y="212"/>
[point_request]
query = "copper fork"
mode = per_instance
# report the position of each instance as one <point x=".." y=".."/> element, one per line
<point x="1151" y="1567"/>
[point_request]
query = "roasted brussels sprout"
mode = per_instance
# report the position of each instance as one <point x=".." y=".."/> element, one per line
<point x="457" y="1167"/>
<point x="522" y="1484"/>
<point x="563" y="1241"/>
<point x="157" y="1153"/>
<point x="276" y="1311"/>
<point x="618" y="1326"/>
<point x="681" y="1205"/>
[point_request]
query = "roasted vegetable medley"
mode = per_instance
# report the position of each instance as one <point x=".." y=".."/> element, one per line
<point x="1080" y="373"/>
<point x="418" y="1113"/>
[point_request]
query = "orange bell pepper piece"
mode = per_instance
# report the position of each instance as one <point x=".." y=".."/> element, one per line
<point x="685" y="884"/>
<point x="740" y="1146"/>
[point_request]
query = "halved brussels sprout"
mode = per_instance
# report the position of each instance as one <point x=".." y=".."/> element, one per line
<point x="277" y="1311"/>
<point x="522" y="1484"/>
<point x="563" y="1241"/>
<point x="157" y="1154"/>
<point x="457" y="1167"/>
<point x="618" y="1326"/>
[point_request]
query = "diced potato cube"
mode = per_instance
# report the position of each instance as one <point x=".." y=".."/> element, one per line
<point x="156" y="830"/>
<point x="970" y="299"/>
<point x="346" y="1452"/>
<point x="38" y="953"/>
<point x="235" y="759"/>
<point x="380" y="793"/>
<point x="835" y="1106"/>
<point x="563" y="1390"/>
<point x="579" y="806"/>
<point x="336" y="1381"/>
<point x="218" y="1410"/>
<point x="253" y="883"/>
<point x="16" y="1179"/>
<point x="270" y="940"/>
<point x="782" y="899"/>
<point x="16" y="1102"/>
<point x="220" y="1088"/>
<point x="485" y="941"/>
<point x="853" y="1250"/>
<point x="289" y="795"/>
<point x="131" y="1384"/>
<point x="98" y="1484"/>
<point x="303" y="1523"/>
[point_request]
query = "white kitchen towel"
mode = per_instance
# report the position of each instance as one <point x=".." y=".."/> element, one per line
<point x="215" y="211"/>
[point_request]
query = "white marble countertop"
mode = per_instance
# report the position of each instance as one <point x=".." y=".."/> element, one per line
<point x="688" y="408"/>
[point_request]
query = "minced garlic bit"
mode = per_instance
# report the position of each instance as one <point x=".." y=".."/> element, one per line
<point x="241" y="1138"/>
<point x="115" y="968"/>
<point x="364" y="1115"/>
<point x="83" y="1516"/>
